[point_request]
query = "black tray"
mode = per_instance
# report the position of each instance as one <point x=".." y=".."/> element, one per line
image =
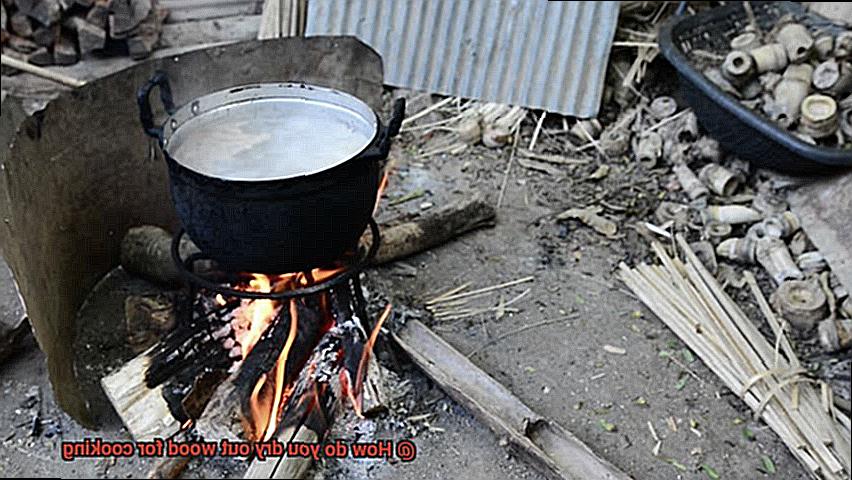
<point x="738" y="129"/>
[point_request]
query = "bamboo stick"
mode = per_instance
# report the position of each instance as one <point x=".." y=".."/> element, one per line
<point x="692" y="303"/>
<point x="41" y="72"/>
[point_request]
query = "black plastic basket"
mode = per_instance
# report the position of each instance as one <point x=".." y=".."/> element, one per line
<point x="738" y="129"/>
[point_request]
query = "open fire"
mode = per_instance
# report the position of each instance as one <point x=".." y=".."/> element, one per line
<point x="272" y="391"/>
<point x="294" y="356"/>
<point x="258" y="356"/>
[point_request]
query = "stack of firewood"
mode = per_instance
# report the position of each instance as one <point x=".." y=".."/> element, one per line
<point x="60" y="32"/>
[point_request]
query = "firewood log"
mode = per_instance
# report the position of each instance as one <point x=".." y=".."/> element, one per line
<point x="146" y="34"/>
<point x="432" y="228"/>
<point x="145" y="250"/>
<point x="285" y="467"/>
<point x="142" y="408"/>
<point x="125" y="16"/>
<point x="89" y="37"/>
<point x="20" y="44"/>
<point x="98" y="15"/>
<point x="45" y="12"/>
<point x="64" y="52"/>
<point x="551" y="448"/>
<point x="168" y="467"/>
<point x="147" y="318"/>
<point x="20" y="25"/>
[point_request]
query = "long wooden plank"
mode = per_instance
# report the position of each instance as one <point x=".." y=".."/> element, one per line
<point x="551" y="448"/>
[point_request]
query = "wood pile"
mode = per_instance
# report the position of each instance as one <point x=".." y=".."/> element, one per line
<point x="61" y="32"/>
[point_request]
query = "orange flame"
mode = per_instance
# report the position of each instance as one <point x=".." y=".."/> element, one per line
<point x="280" y="368"/>
<point x="355" y="392"/>
<point x="256" y="314"/>
<point x="382" y="185"/>
<point x="253" y="318"/>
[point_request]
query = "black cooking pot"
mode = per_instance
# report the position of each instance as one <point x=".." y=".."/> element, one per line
<point x="273" y="177"/>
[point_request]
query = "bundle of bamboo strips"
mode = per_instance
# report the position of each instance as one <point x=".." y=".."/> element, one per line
<point x="769" y="378"/>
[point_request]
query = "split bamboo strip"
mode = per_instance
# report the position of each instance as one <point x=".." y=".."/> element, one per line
<point x="481" y="290"/>
<point x="769" y="378"/>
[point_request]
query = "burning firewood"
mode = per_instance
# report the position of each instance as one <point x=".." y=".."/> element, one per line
<point x="254" y="369"/>
<point x="241" y="369"/>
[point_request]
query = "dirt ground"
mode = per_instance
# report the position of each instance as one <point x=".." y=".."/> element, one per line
<point x="561" y="369"/>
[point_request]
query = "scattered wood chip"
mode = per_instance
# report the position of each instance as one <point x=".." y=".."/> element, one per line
<point x="599" y="173"/>
<point x="676" y="464"/>
<point x="615" y="350"/>
<point x="672" y="424"/>
<point x="408" y="197"/>
<point x="768" y="465"/>
<point x="539" y="167"/>
<point x="653" y="431"/>
<point x="609" y="427"/>
<point x="590" y="217"/>
<point x="710" y="472"/>
<point x="549" y="158"/>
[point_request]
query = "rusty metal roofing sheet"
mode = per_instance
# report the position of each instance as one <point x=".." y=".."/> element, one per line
<point x="535" y="53"/>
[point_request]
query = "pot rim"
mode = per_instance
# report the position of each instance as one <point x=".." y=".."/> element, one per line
<point x="221" y="99"/>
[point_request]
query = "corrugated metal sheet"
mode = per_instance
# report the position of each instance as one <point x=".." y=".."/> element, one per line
<point x="181" y="10"/>
<point x="535" y="53"/>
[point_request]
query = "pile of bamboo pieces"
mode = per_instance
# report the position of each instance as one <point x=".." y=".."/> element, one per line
<point x="769" y="378"/>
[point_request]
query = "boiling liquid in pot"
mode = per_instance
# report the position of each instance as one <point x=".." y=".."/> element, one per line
<point x="270" y="138"/>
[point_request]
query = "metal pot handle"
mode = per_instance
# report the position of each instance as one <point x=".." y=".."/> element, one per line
<point x="146" y="115"/>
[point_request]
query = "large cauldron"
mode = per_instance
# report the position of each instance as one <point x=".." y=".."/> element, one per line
<point x="273" y="177"/>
